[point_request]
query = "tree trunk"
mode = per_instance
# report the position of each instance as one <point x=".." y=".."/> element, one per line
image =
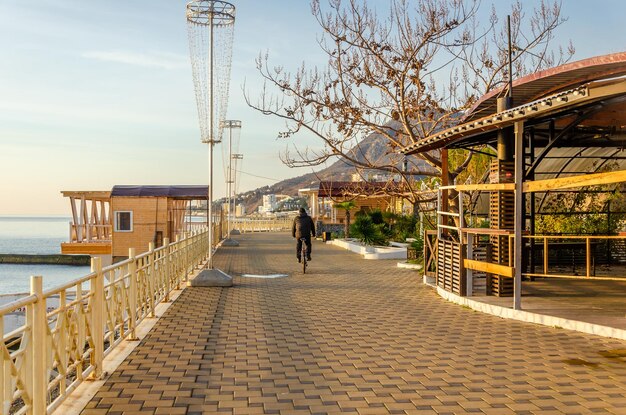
<point x="347" y="224"/>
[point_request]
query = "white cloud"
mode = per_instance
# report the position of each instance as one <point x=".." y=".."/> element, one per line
<point x="159" y="59"/>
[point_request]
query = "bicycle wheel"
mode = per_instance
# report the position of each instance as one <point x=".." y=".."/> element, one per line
<point x="304" y="261"/>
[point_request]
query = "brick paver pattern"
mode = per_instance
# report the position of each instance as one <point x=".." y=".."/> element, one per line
<point x="352" y="337"/>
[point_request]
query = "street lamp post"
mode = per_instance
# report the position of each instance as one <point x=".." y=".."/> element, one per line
<point x="231" y="125"/>
<point x="210" y="26"/>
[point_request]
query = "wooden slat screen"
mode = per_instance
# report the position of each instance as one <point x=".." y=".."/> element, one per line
<point x="450" y="270"/>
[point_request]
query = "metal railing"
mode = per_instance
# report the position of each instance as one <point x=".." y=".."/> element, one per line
<point x="245" y="225"/>
<point x="552" y="256"/>
<point x="66" y="332"/>
<point x="578" y="252"/>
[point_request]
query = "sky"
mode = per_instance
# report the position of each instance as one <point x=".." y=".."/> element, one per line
<point x="94" y="94"/>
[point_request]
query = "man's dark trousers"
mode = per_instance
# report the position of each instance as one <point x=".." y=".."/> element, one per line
<point x="308" y="247"/>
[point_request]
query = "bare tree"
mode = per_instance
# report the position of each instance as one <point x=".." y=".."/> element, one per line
<point x="401" y="78"/>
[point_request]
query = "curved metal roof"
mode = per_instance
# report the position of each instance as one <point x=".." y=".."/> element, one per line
<point x="536" y="85"/>
<point x="608" y="95"/>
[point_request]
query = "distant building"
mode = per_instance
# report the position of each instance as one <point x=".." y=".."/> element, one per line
<point x="370" y="176"/>
<point x="290" y="203"/>
<point x="269" y="204"/>
<point x="240" y="210"/>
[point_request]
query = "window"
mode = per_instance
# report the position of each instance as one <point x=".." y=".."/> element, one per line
<point x="124" y="221"/>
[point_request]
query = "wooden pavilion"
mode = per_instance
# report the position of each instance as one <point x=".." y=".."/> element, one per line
<point x="367" y="196"/>
<point x="108" y="223"/>
<point x="560" y="130"/>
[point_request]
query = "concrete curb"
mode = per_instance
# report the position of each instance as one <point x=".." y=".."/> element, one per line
<point x="528" y="317"/>
<point x="409" y="266"/>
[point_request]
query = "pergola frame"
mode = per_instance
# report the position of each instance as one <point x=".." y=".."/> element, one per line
<point x="571" y="120"/>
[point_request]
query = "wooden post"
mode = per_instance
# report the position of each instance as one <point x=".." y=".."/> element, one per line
<point x="168" y="274"/>
<point x="81" y="215"/>
<point x="469" y="272"/>
<point x="444" y="182"/>
<point x="63" y="339"/>
<point x="545" y="255"/>
<point x="519" y="211"/>
<point x="185" y="245"/>
<point x="588" y="256"/>
<point x="39" y="354"/>
<point x="97" y="317"/>
<point x="461" y="217"/>
<point x="439" y="209"/>
<point x="132" y="293"/>
<point x="151" y="278"/>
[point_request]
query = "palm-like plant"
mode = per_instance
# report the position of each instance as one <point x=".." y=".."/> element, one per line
<point x="347" y="205"/>
<point x="368" y="232"/>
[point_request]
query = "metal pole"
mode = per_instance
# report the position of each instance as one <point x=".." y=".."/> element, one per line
<point x="211" y="142"/>
<point x="519" y="219"/>
<point x="230" y="176"/>
<point x="508" y="24"/>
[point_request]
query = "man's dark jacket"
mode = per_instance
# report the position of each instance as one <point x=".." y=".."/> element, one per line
<point x="303" y="226"/>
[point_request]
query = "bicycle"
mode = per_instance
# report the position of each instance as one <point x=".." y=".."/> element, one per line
<point x="303" y="254"/>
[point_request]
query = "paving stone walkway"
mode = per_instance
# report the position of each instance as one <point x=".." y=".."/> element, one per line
<point x="352" y="337"/>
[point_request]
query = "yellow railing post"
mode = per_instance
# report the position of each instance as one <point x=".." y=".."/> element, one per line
<point x="38" y="351"/>
<point x="588" y="255"/>
<point x="545" y="255"/>
<point x="132" y="296"/>
<point x="151" y="278"/>
<point x="97" y="317"/>
<point x="185" y="245"/>
<point x="6" y="392"/>
<point x="177" y="257"/>
<point x="166" y="263"/>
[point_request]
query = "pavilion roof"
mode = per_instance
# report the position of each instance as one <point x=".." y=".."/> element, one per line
<point x="549" y="81"/>
<point x="176" y="192"/>
<point x="344" y="189"/>
<point x="610" y="94"/>
<point x="549" y="93"/>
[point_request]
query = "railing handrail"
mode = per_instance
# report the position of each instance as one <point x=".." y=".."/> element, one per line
<point x="19" y="303"/>
<point x="77" y="326"/>
<point x="551" y="241"/>
<point x="88" y="323"/>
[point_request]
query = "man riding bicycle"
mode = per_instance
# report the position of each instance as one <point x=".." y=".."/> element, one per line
<point x="303" y="227"/>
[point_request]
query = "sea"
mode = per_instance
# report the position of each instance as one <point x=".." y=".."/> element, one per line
<point x="34" y="235"/>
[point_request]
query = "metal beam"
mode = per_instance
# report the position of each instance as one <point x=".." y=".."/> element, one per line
<point x="519" y="218"/>
<point x="581" y="117"/>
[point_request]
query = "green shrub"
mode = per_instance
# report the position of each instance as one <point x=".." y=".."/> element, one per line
<point x="377" y="217"/>
<point x="367" y="231"/>
<point x="418" y="244"/>
<point x="405" y="227"/>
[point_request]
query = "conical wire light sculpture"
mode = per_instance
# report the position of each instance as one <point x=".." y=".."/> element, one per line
<point x="210" y="28"/>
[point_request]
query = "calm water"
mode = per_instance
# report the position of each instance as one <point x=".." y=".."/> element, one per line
<point x="34" y="235"/>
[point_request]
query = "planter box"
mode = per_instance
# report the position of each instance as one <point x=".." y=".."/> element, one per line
<point x="371" y="252"/>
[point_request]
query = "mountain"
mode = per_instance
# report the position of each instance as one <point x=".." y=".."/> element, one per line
<point x="373" y="148"/>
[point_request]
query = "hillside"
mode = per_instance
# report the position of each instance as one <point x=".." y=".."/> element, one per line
<point x="372" y="147"/>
